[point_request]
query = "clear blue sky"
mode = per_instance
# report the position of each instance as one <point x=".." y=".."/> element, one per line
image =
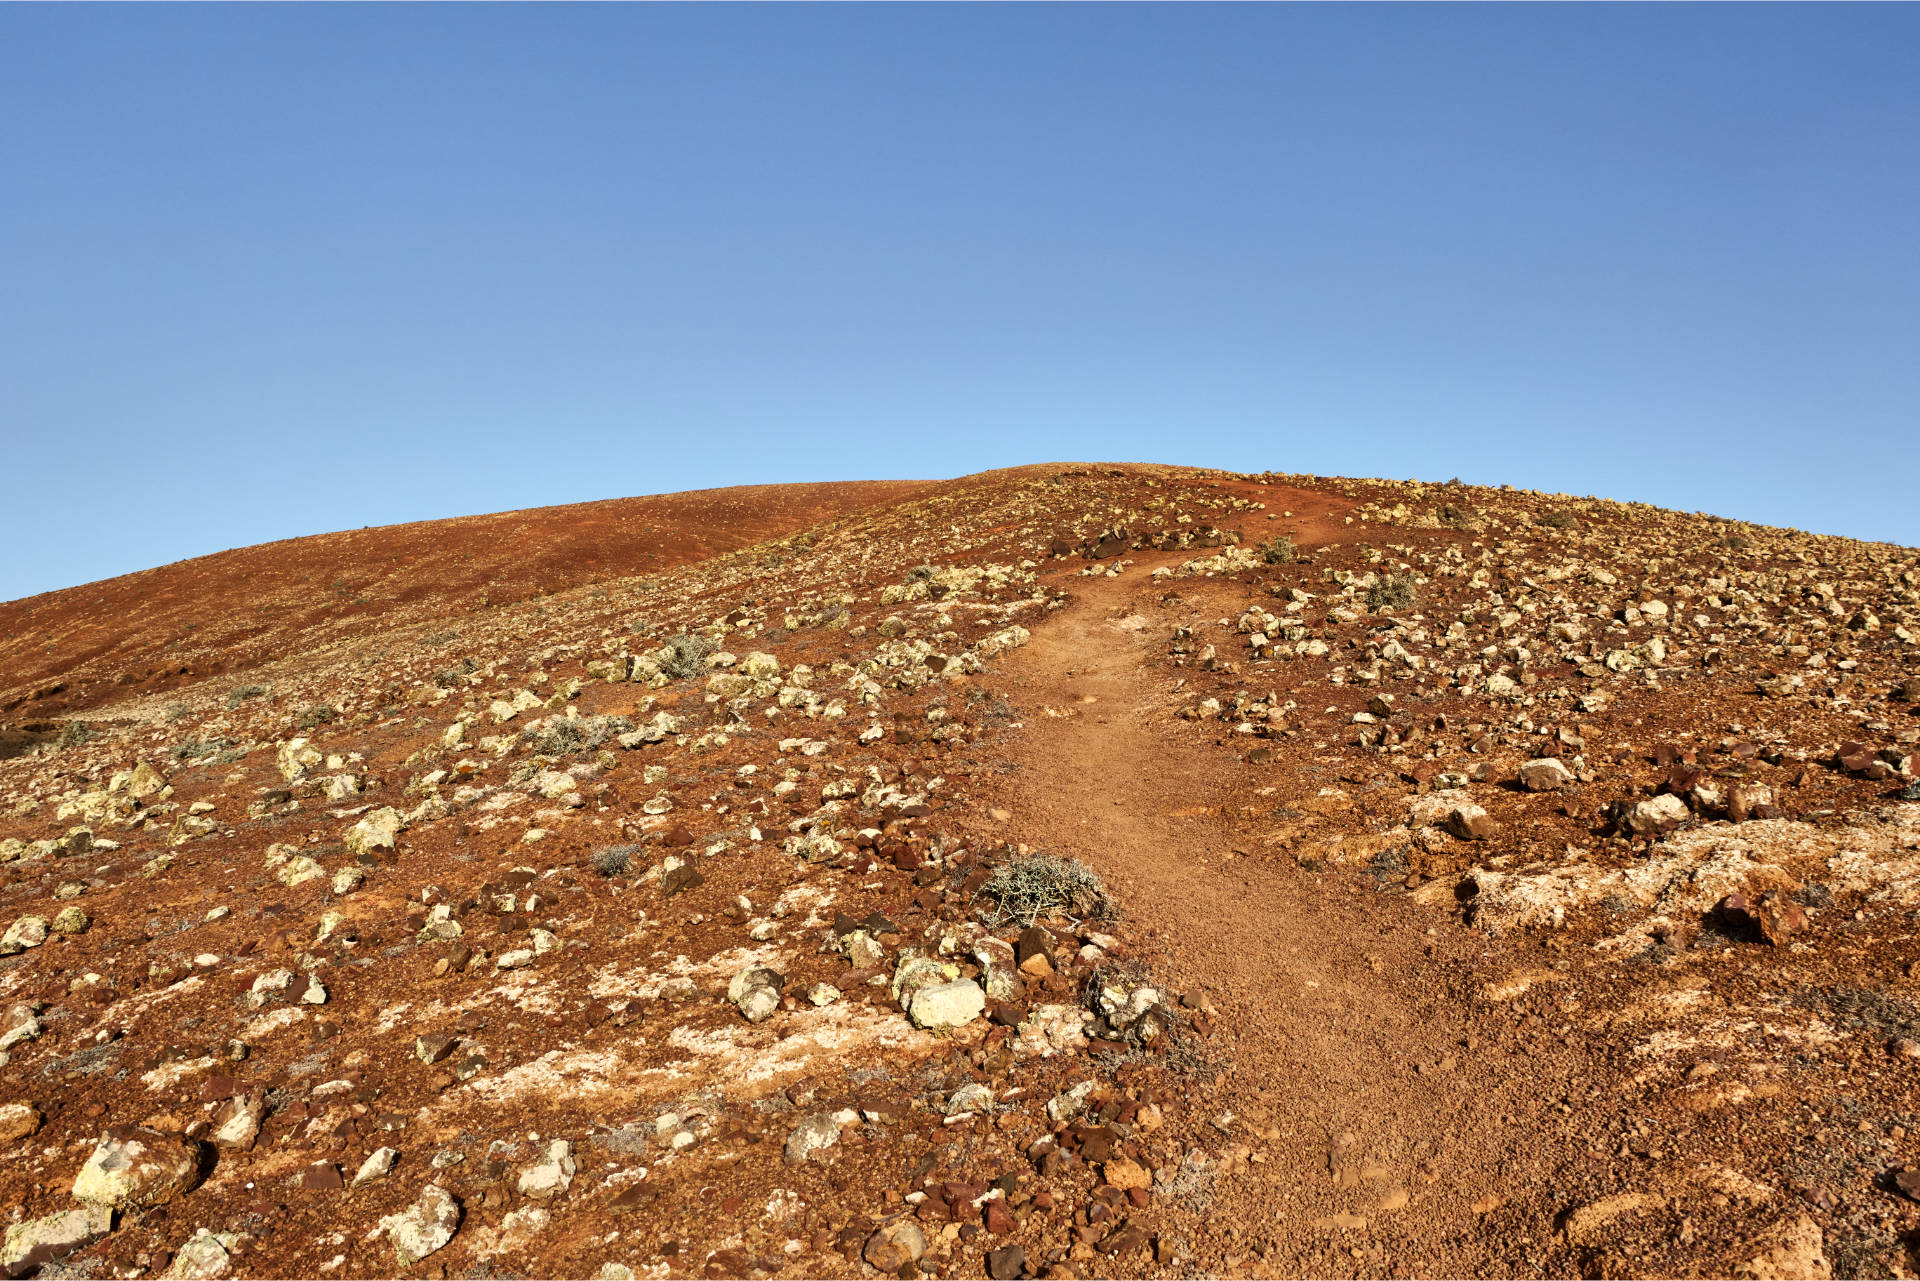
<point x="274" y="270"/>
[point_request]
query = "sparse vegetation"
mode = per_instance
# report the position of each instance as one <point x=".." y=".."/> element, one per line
<point x="1559" y="518"/>
<point x="179" y="712"/>
<point x="1392" y="591"/>
<point x="1277" y="551"/>
<point x="685" y="655"/>
<point x="566" y="735"/>
<point x="74" y="733"/>
<point x="242" y="693"/>
<point x="1453" y="517"/>
<point x="1033" y="885"/>
<point x="920" y="573"/>
<point x="448" y="677"/>
<point x="614" y="860"/>
<point x="194" y="748"/>
<point x="317" y="715"/>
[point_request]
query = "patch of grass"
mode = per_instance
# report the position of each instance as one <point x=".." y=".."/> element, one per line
<point x="1558" y="519"/>
<point x="179" y="712"/>
<point x="614" y="860"/>
<point x="1278" y="551"/>
<point x="317" y="715"/>
<point x="74" y="733"/>
<point x="1392" y="591"/>
<point x="686" y="653"/>
<point x="188" y="749"/>
<point x="241" y="693"/>
<point x="1033" y="885"/>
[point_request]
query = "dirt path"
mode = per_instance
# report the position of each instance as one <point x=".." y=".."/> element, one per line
<point x="1374" y="1123"/>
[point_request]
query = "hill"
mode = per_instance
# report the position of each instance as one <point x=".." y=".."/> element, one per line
<point x="1073" y="870"/>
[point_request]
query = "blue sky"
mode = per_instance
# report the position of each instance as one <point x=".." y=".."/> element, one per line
<point x="275" y="270"/>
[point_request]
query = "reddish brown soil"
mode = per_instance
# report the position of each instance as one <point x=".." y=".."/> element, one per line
<point x="1365" y="1077"/>
<point x="65" y="651"/>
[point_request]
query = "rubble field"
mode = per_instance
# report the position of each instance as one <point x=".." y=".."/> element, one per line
<point x="1075" y="870"/>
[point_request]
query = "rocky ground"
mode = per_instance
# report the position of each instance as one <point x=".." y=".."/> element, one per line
<point x="1064" y="871"/>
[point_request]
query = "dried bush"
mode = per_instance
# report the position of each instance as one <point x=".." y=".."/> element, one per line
<point x="1277" y="551"/>
<point x="614" y="860"/>
<point x="685" y="654"/>
<point x="447" y="678"/>
<point x="565" y="735"/>
<point x="1033" y="885"/>
<point x="188" y="749"/>
<point x="74" y="733"/>
<point x="1392" y="591"/>
<point x="317" y="715"/>
<point x="1558" y="520"/>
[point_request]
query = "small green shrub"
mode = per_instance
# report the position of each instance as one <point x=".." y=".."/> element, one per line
<point x="1033" y="885"/>
<point x="685" y="655"/>
<point x="1392" y="591"/>
<point x="241" y="693"/>
<point x="188" y="749"/>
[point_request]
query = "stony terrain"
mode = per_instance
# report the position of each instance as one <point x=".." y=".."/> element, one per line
<point x="1065" y="871"/>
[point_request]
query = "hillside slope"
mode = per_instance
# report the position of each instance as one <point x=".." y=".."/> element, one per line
<point x="1456" y="881"/>
<point x="69" y="650"/>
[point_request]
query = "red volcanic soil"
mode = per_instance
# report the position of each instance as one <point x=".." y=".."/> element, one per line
<point x="65" y="651"/>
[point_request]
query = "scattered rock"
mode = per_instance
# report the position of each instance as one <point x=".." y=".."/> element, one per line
<point x="755" y="992"/>
<point x="895" y="1246"/>
<point x="551" y="1175"/>
<point x="817" y="1133"/>
<point x="378" y="1165"/>
<point x="204" y="1257"/>
<point x="33" y="1244"/>
<point x="1007" y="1263"/>
<point x="28" y="931"/>
<point x="425" y="1226"/>
<point x="943" y="1005"/>
<point x="1470" y="822"/>
<point x="1545" y="774"/>
<point x="1773" y="916"/>
<point x="133" y="1166"/>
<point x="18" y="1121"/>
<point x="376" y="831"/>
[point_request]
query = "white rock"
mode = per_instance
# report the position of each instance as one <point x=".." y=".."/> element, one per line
<point x="947" y="1004"/>
<point x="423" y="1227"/>
<point x="378" y="1165"/>
<point x="551" y="1175"/>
